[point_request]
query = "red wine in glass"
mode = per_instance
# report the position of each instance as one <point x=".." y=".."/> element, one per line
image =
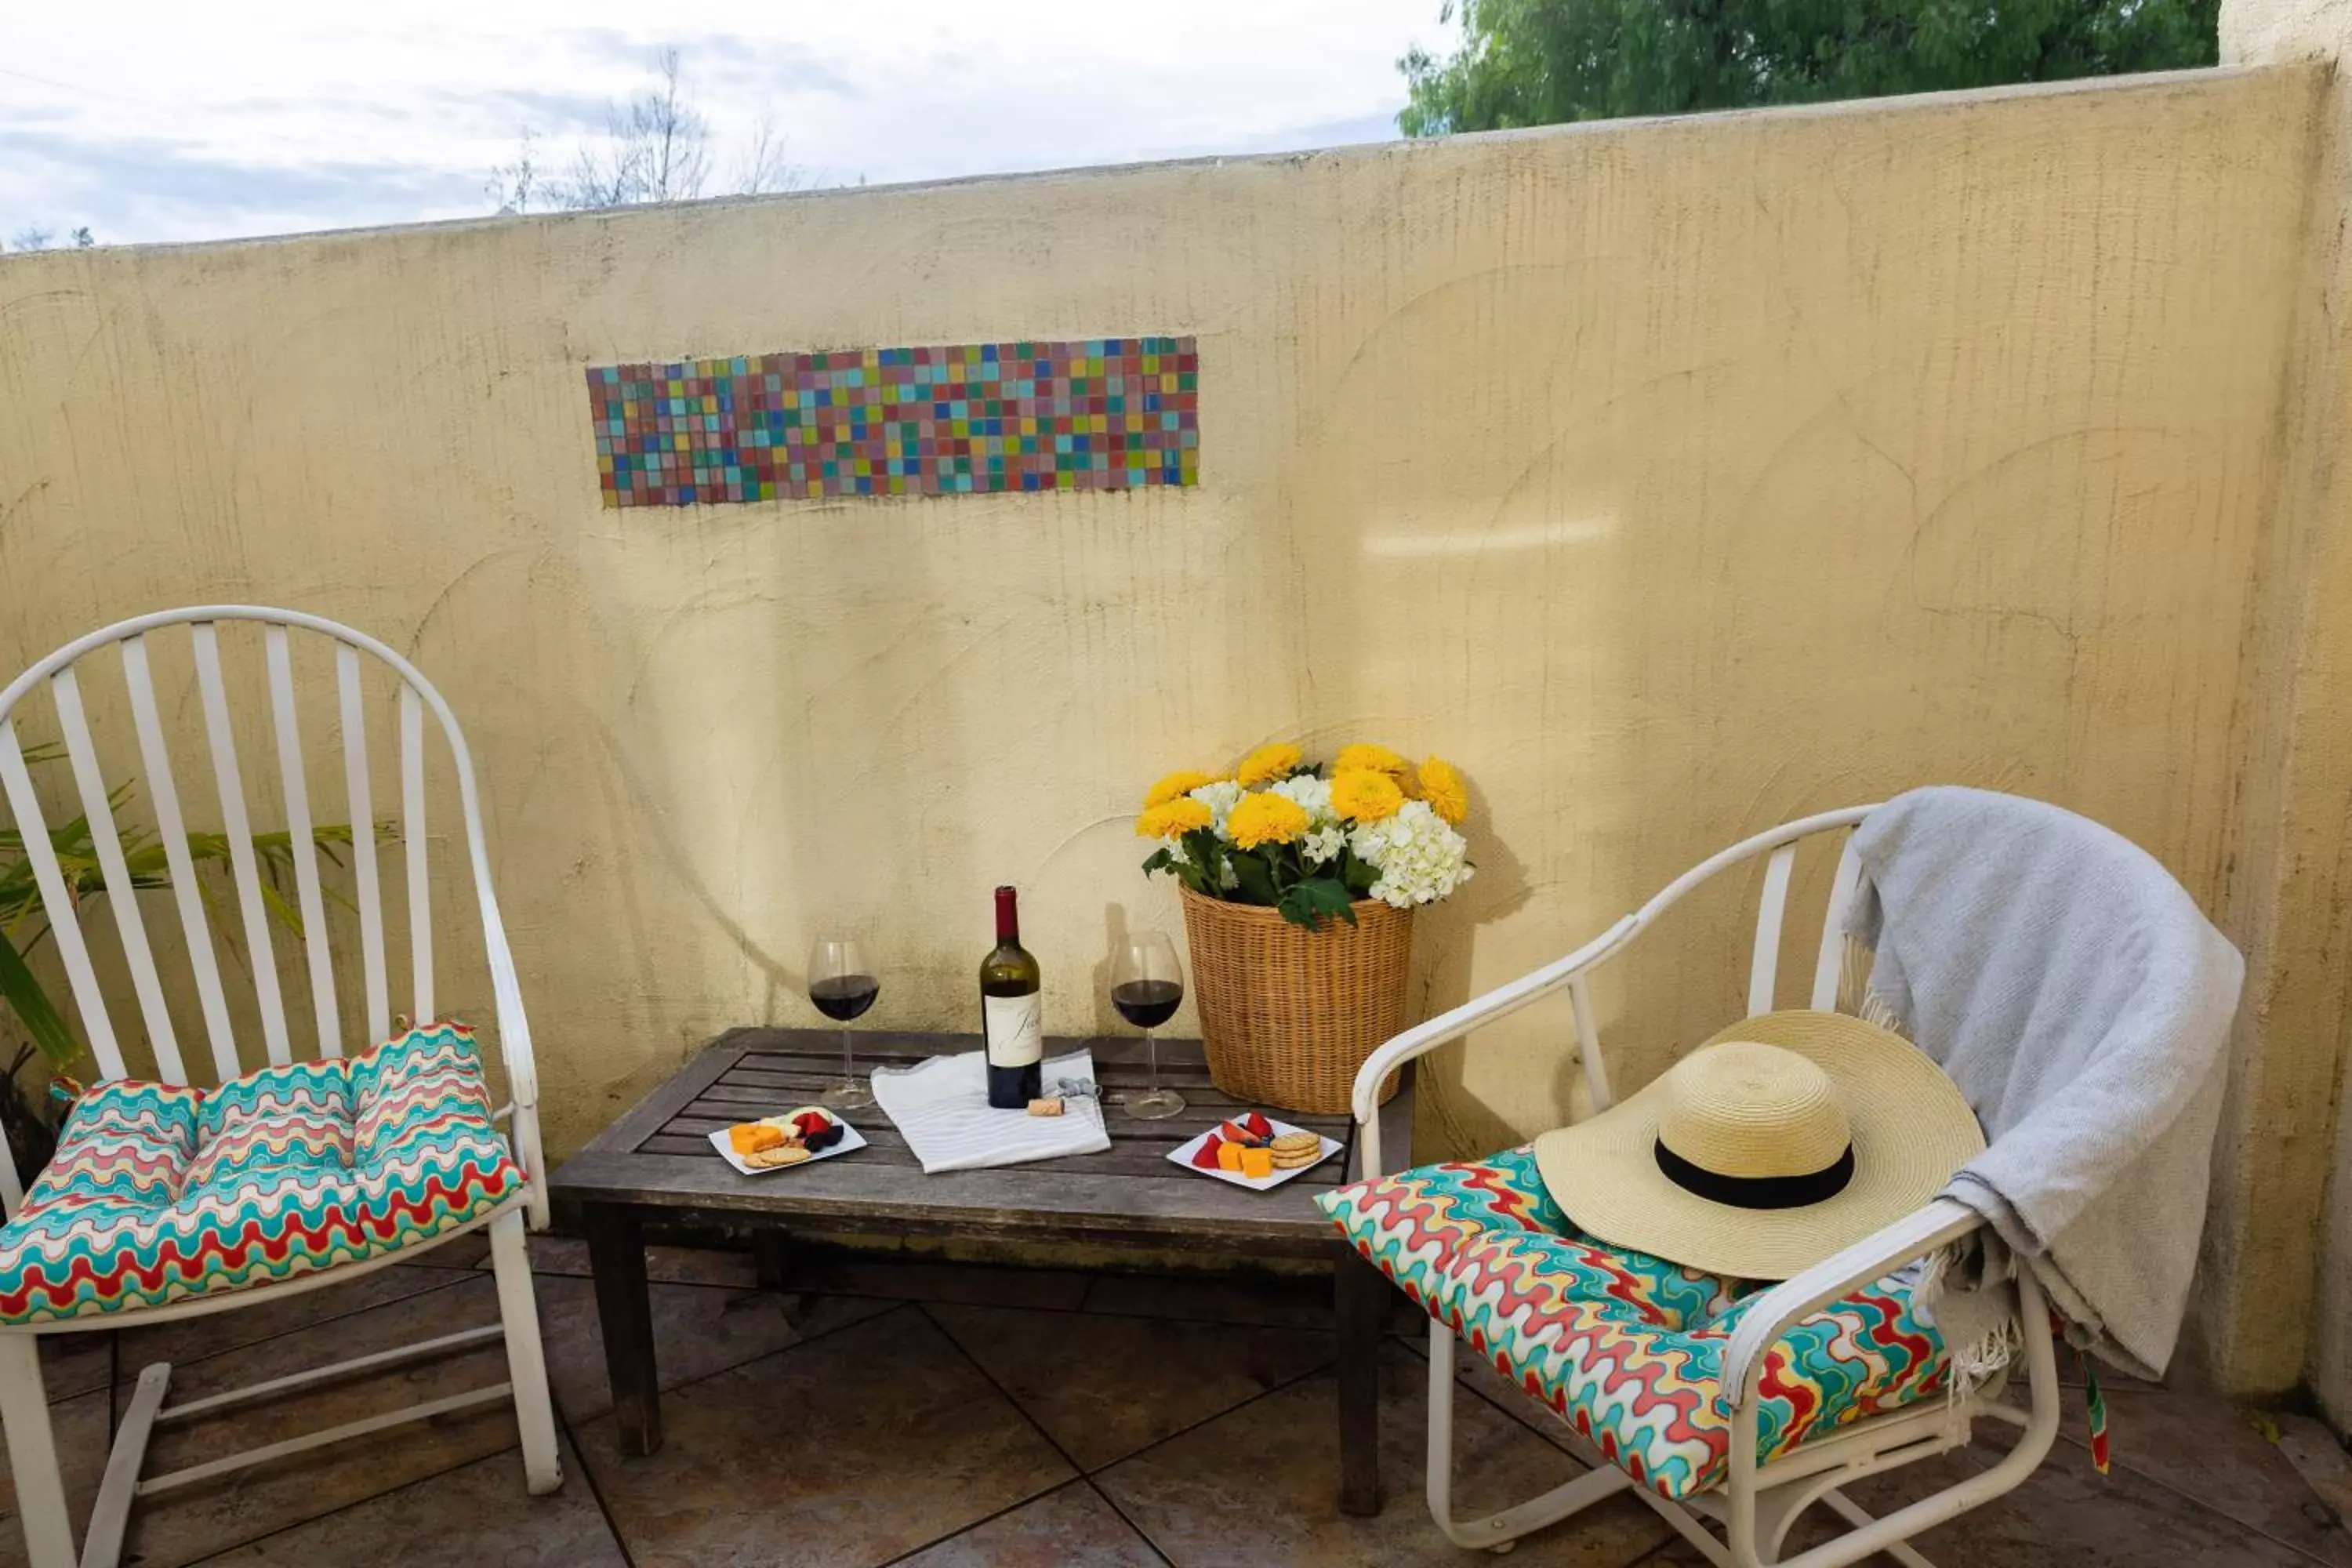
<point x="1147" y="986"/>
<point x="840" y="985"/>
<point x="842" y="997"/>
<point x="1147" y="1004"/>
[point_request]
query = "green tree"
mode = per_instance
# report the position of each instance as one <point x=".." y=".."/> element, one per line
<point x="1539" y="62"/>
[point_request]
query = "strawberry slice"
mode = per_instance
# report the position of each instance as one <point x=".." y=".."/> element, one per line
<point x="1257" y="1126"/>
<point x="1205" y="1157"/>
<point x="1236" y="1132"/>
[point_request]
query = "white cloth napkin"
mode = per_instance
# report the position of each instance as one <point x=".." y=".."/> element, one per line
<point x="942" y="1106"/>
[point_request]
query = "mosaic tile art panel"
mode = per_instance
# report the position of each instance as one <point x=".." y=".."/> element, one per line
<point x="1099" y="414"/>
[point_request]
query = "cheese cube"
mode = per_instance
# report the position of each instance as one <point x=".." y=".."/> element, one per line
<point x="1258" y="1163"/>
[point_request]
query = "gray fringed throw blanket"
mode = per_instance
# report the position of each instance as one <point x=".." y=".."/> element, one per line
<point x="2074" y="993"/>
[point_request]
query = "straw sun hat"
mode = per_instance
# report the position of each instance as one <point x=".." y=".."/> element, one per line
<point x="1780" y="1141"/>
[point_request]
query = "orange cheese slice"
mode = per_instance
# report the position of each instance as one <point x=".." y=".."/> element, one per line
<point x="750" y="1137"/>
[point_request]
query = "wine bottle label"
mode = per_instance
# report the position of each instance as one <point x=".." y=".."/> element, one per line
<point x="1016" y="1034"/>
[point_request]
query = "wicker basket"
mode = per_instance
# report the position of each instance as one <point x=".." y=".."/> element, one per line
<point x="1289" y="1014"/>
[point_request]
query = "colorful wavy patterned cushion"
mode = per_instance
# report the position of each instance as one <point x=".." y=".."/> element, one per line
<point x="1626" y="1347"/>
<point x="159" y="1192"/>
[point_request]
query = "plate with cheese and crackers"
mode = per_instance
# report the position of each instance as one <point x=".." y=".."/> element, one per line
<point x="1254" y="1151"/>
<point x="784" y="1142"/>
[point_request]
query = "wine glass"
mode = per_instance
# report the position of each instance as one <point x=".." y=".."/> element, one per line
<point x="840" y="985"/>
<point x="1147" y="987"/>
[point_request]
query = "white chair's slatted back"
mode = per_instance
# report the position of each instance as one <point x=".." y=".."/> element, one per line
<point x="49" y="876"/>
<point x="120" y="896"/>
<point x="367" y="892"/>
<point x="1828" y="963"/>
<point x="230" y="780"/>
<point x="163" y="794"/>
<point x="1779" y="846"/>
<point x="412" y="835"/>
<point x="62" y="671"/>
<point x="1764" y="968"/>
<point x="301" y="844"/>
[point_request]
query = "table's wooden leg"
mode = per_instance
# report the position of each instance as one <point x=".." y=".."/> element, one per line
<point x="616" y="1253"/>
<point x="771" y="1259"/>
<point x="1361" y="1294"/>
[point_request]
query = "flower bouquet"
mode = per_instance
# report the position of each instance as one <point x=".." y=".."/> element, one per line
<point x="1298" y="887"/>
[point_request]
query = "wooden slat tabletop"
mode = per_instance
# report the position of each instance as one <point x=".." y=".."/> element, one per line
<point x="659" y="1155"/>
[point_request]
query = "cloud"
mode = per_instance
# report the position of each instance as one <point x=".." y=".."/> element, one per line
<point x="1347" y="133"/>
<point x="145" y="186"/>
<point x="547" y="113"/>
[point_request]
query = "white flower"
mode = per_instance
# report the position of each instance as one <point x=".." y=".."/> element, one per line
<point x="1419" y="857"/>
<point x="1176" y="854"/>
<point x="1227" y="877"/>
<point x="1220" y="798"/>
<point x="1312" y="796"/>
<point x="1323" y="844"/>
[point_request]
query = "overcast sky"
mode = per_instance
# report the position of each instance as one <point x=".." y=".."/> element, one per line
<point x="207" y="119"/>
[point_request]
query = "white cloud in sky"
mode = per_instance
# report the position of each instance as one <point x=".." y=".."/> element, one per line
<point x="150" y="121"/>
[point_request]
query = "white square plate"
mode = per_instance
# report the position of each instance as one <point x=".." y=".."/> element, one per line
<point x="1183" y="1154"/>
<point x="850" y="1139"/>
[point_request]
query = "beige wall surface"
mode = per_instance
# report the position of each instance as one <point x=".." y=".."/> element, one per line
<point x="1674" y="478"/>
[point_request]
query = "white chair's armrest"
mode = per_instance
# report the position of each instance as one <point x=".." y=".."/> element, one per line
<point x="1874" y="1257"/>
<point x="514" y="1029"/>
<point x="1423" y="1039"/>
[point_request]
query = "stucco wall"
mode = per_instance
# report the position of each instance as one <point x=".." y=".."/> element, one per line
<point x="1674" y="478"/>
<point x="2290" y="899"/>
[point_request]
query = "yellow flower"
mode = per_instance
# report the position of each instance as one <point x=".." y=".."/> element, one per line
<point x="1444" y="789"/>
<point x="1361" y="795"/>
<point x="1176" y="784"/>
<point x="1268" y="764"/>
<point x="1370" y="759"/>
<point x="1266" y="818"/>
<point x="1172" y="818"/>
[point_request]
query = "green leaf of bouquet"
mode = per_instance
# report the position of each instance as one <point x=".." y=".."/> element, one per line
<point x="1308" y="901"/>
<point x="1357" y="875"/>
<point x="1256" y="878"/>
<point x="22" y="990"/>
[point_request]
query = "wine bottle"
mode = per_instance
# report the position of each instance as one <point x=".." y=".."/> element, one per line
<point x="1009" y="1013"/>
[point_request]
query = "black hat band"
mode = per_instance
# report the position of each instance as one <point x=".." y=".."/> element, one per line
<point x="1757" y="1192"/>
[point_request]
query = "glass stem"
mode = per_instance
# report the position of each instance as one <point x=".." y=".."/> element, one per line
<point x="848" y="1067"/>
<point x="1151" y="1058"/>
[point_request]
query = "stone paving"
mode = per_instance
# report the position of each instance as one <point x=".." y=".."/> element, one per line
<point x="961" y="1416"/>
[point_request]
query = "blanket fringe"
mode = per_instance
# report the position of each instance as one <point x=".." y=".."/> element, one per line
<point x="1975" y="1364"/>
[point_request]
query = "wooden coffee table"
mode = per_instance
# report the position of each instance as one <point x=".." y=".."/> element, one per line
<point x="656" y="1165"/>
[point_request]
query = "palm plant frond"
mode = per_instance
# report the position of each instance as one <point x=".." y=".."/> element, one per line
<point x="147" y="861"/>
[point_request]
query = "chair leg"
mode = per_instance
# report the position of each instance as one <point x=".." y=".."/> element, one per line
<point x="1499" y="1531"/>
<point x="526" y="1361"/>
<point x="33" y="1454"/>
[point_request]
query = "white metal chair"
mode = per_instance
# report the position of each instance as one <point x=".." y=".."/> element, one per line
<point x="40" y="1492"/>
<point x="1756" y="1504"/>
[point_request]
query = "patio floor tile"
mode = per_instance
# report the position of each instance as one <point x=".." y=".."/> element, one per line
<point x="475" y="1514"/>
<point x="1103" y="1387"/>
<point x="2199" y="1446"/>
<point x="666" y="1264"/>
<point x="1260" y="1485"/>
<point x="75" y="1363"/>
<point x="923" y="1279"/>
<point x="855" y="1449"/>
<point x="1073" y="1525"/>
<point x="2063" y="1516"/>
<point x="183" y="1526"/>
<point x="2207" y="1449"/>
<point x="698" y="1330"/>
<point x="859" y="1429"/>
<point x="1280" y="1303"/>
